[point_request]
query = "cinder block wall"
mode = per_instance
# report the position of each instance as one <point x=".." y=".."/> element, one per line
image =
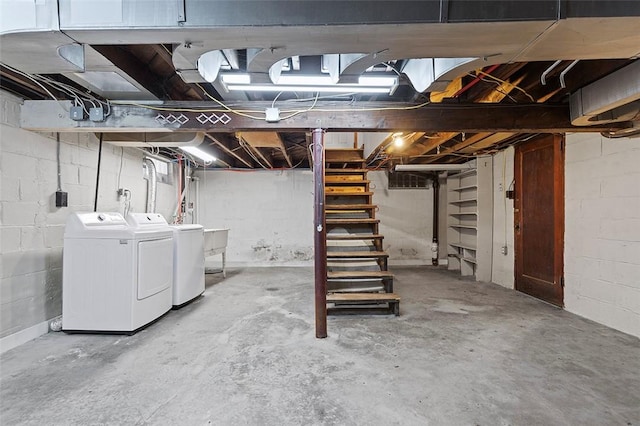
<point x="270" y="216"/>
<point x="32" y="228"/>
<point x="406" y="221"/>
<point x="602" y="236"/>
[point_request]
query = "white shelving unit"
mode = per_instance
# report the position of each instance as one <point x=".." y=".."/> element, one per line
<point x="469" y="219"/>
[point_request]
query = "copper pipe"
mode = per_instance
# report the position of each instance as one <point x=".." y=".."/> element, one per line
<point x="319" y="234"/>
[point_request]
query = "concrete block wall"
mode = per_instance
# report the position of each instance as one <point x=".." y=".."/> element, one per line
<point x="270" y="217"/>
<point x="602" y="230"/>
<point x="32" y="228"/>
<point x="406" y="221"/>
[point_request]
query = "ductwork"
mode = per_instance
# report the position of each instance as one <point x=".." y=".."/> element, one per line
<point x="34" y="34"/>
<point x="152" y="185"/>
<point x="611" y="99"/>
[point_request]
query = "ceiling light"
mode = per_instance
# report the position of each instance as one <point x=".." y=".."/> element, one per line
<point x="235" y="78"/>
<point x="377" y="81"/>
<point x="307" y="80"/>
<point x="322" y="89"/>
<point x="194" y="150"/>
<point x="431" y="167"/>
<point x="398" y="141"/>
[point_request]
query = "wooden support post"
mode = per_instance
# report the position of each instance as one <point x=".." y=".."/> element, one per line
<point x="320" y="233"/>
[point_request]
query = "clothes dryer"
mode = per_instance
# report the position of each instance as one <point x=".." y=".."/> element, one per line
<point x="115" y="279"/>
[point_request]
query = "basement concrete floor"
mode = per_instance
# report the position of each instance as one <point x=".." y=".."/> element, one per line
<point x="461" y="353"/>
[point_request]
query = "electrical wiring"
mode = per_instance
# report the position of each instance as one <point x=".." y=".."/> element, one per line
<point x="229" y="109"/>
<point x="506" y="82"/>
<point x="302" y="111"/>
<point x="244" y="112"/>
<point x="498" y="84"/>
<point x="30" y="77"/>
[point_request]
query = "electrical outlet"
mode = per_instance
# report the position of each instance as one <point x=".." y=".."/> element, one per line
<point x="504" y="250"/>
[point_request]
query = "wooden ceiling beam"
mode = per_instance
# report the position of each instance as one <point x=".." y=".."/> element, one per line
<point x="196" y="116"/>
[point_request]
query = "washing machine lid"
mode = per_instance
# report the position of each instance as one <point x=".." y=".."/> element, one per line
<point x="140" y="221"/>
<point x="187" y="227"/>
<point x="97" y="225"/>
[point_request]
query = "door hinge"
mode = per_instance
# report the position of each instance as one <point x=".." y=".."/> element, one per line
<point x="562" y="282"/>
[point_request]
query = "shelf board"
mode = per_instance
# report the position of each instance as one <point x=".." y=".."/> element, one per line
<point x="464" y="226"/>
<point x="463" y="246"/>
<point x="464" y="214"/>
<point x="463" y="174"/>
<point x="462" y="188"/>
<point x="466" y="259"/>
<point x="466" y="200"/>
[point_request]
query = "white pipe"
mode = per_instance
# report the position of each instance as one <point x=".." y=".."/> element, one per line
<point x="564" y="73"/>
<point x="431" y="167"/>
<point x="543" y="77"/>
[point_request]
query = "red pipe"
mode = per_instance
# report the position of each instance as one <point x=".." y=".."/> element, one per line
<point x="475" y="81"/>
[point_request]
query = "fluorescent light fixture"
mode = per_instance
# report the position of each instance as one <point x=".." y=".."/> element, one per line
<point x="235" y="78"/>
<point x="321" y="89"/>
<point x="194" y="150"/>
<point x="311" y="83"/>
<point x="377" y="81"/>
<point x="431" y="167"/>
<point x="306" y="80"/>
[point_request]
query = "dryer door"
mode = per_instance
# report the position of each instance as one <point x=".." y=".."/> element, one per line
<point x="155" y="266"/>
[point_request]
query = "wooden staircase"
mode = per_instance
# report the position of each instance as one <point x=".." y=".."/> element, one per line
<point x="358" y="280"/>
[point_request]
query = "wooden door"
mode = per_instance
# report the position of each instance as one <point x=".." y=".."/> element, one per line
<point x="539" y="218"/>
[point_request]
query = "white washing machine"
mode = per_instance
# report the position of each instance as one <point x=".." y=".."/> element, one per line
<point x="188" y="263"/>
<point x="115" y="279"/>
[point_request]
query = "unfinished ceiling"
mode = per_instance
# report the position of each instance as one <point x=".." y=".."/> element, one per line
<point x="233" y="69"/>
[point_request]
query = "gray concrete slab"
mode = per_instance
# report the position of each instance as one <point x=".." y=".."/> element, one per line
<point x="461" y="353"/>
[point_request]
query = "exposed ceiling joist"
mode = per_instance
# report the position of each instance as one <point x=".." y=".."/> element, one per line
<point x="237" y="152"/>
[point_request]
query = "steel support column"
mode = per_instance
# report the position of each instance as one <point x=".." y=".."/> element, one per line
<point x="319" y="234"/>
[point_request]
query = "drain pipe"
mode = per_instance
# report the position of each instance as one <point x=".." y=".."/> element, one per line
<point x="152" y="185"/>
<point x="436" y="210"/>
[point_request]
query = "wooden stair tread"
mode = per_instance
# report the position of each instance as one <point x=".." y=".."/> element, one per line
<point x="344" y="171"/>
<point x="335" y="237"/>
<point x="349" y="206"/>
<point x="337" y="194"/>
<point x="351" y="221"/>
<point x="362" y="297"/>
<point x="346" y="182"/>
<point x="358" y="274"/>
<point x="355" y="254"/>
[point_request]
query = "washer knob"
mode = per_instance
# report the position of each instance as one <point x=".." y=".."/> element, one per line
<point x="101" y="217"/>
